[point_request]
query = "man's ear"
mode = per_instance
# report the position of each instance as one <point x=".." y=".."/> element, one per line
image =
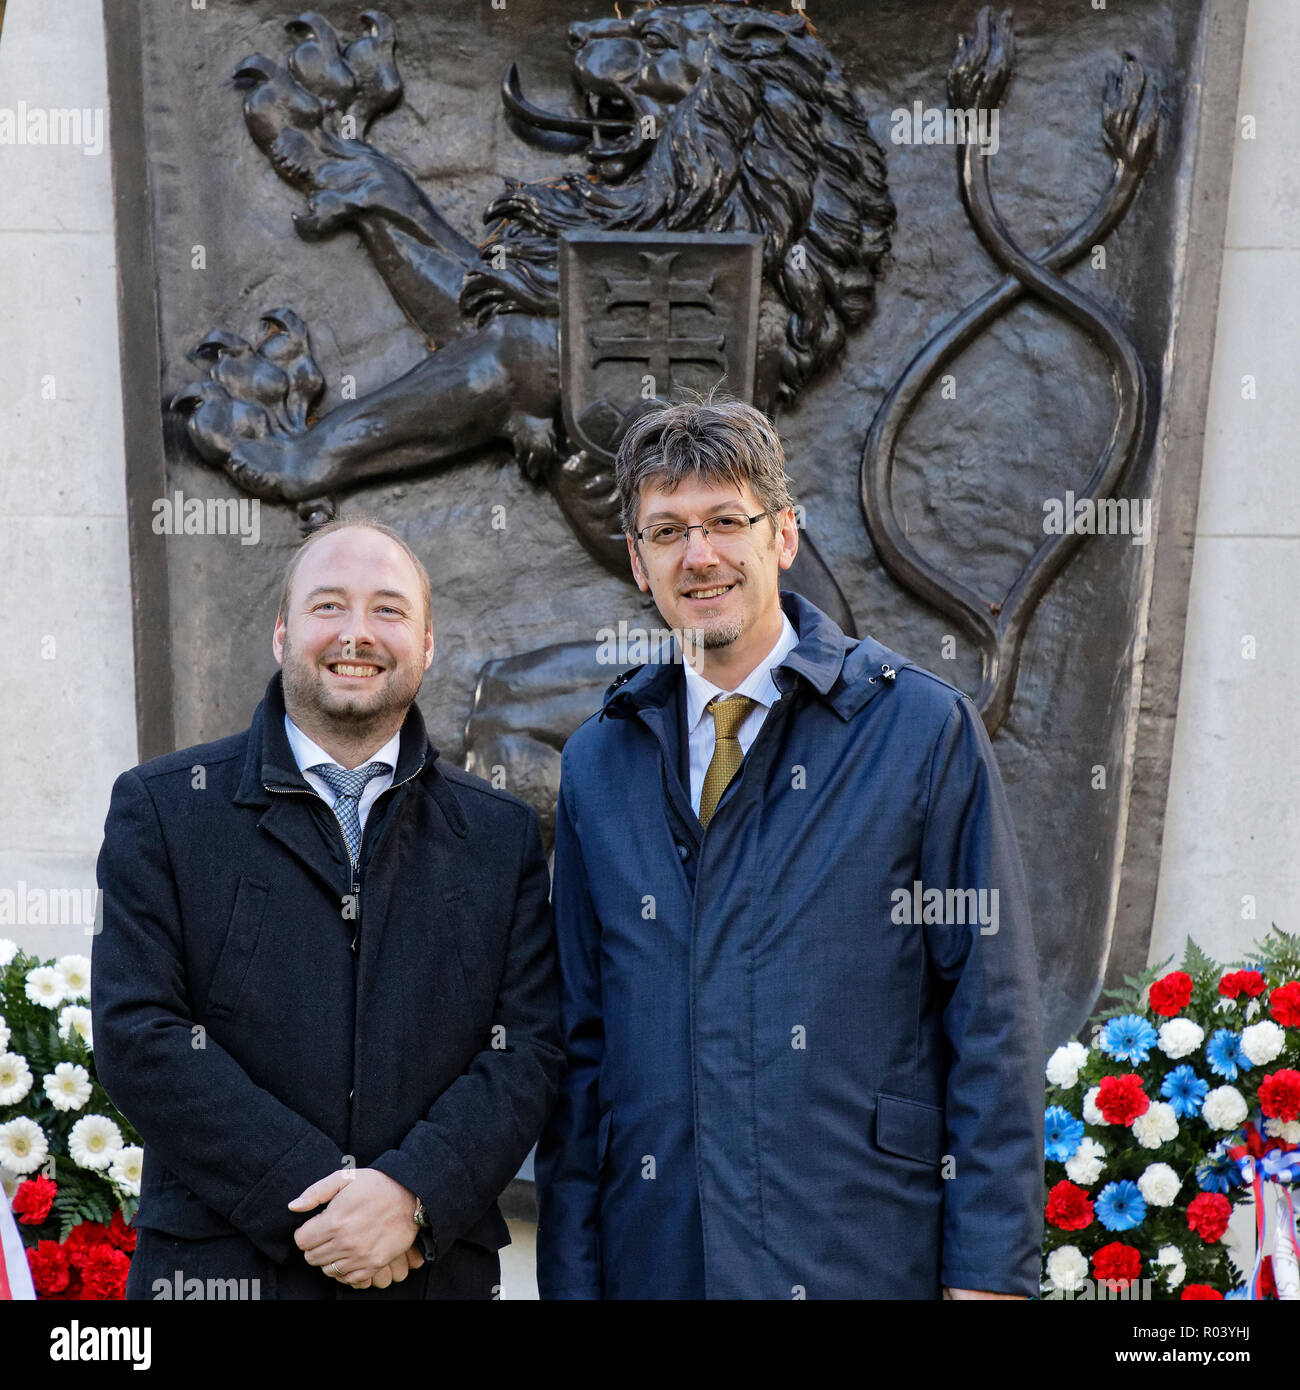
<point x="638" y="572"/>
<point x="787" y="538"/>
<point x="277" y="639"/>
<point x="428" y="647"/>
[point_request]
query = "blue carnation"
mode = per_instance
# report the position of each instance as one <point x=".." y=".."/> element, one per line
<point x="1185" y="1091"/>
<point x="1061" y="1133"/>
<point x="1225" y="1055"/>
<point x="1129" y="1038"/>
<point x="1216" y="1172"/>
<point x="1120" y="1206"/>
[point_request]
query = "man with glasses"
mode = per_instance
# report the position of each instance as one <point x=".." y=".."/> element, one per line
<point x="798" y="979"/>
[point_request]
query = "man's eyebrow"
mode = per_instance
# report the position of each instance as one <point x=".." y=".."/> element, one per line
<point x="732" y="508"/>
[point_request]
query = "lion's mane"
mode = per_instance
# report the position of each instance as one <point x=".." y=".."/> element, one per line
<point x="771" y="140"/>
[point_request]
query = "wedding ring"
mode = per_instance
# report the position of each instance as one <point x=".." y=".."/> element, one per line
<point x="332" y="1269"/>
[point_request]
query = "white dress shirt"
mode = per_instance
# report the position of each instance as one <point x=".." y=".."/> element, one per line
<point x="758" y="685"/>
<point x="308" y="754"/>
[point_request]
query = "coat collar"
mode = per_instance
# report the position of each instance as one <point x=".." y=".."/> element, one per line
<point x="844" y="672"/>
<point x="269" y="761"/>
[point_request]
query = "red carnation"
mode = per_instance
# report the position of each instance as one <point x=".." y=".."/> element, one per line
<point x="104" y="1273"/>
<point x="120" y="1234"/>
<point x="33" y="1199"/>
<point x="1121" y="1099"/>
<point x="1208" y="1215"/>
<point x="1238" y="982"/>
<point x="1171" y="993"/>
<point x="1285" y="1004"/>
<point x="1068" y="1207"/>
<point x="48" y="1262"/>
<point x="1200" y="1291"/>
<point x="83" y="1239"/>
<point x="1118" y="1263"/>
<point x="1279" y="1095"/>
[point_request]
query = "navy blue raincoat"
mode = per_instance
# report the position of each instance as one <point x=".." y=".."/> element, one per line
<point x="795" y="1069"/>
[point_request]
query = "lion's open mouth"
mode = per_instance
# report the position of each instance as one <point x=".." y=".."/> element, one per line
<point x="607" y="114"/>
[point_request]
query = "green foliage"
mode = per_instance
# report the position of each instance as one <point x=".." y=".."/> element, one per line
<point x="1130" y="998"/>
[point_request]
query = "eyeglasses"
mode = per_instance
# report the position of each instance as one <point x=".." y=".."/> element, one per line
<point x="719" y="529"/>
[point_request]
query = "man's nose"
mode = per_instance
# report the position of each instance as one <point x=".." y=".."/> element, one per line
<point x="699" y="550"/>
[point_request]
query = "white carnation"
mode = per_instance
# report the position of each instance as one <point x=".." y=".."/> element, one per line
<point x="1158" y="1125"/>
<point x="95" y="1141"/>
<point x="1159" y="1185"/>
<point x="1180" y="1037"/>
<point x="1063" y="1065"/>
<point x="1066" y="1267"/>
<point x="76" y="1016"/>
<point x="1286" y="1130"/>
<point x="8" y="950"/>
<point x="1224" y="1108"/>
<point x="126" y="1169"/>
<point x="1170" y="1259"/>
<point x="76" y="974"/>
<point x="23" y="1145"/>
<point x="1091" y="1115"/>
<point x="1261" y="1042"/>
<point x="4" y="1034"/>
<point x="46" y="985"/>
<point x="68" y="1086"/>
<point x="15" y="1078"/>
<point x="1085" y="1164"/>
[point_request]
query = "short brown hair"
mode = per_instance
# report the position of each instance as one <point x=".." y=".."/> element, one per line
<point x="347" y="523"/>
<point x="714" y="437"/>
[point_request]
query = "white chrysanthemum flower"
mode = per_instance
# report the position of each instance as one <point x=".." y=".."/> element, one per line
<point x="1159" y="1185"/>
<point x="23" y="1145"/>
<point x="76" y="974"/>
<point x="46" y="985"/>
<point x="95" y="1141"/>
<point x="1091" y="1115"/>
<point x="1063" y="1065"/>
<point x="1253" y="1008"/>
<point x="76" y="1016"/>
<point x="1085" y="1164"/>
<point x="1224" y="1108"/>
<point x="1262" y="1042"/>
<point x="127" y="1168"/>
<point x="1180" y="1037"/>
<point x="68" y="1086"/>
<point x="4" y="1034"/>
<point x="1286" y="1130"/>
<point x="1066" y="1267"/>
<point x="15" y="1078"/>
<point x="1157" y="1126"/>
<point x="8" y="950"/>
<point x="1169" y="1260"/>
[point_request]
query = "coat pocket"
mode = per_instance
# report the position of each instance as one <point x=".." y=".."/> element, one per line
<point x="910" y="1128"/>
<point x="231" y="973"/>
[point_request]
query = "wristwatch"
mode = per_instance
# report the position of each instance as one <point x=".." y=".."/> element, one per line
<point x="421" y="1220"/>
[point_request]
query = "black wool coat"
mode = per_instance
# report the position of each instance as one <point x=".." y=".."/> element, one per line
<point x="265" y="1014"/>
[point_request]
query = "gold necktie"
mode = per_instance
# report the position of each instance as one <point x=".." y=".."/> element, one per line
<point x="728" y="716"/>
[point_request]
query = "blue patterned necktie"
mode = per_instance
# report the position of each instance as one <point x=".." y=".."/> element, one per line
<point x="347" y="787"/>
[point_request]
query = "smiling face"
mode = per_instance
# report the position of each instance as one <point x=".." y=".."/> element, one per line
<point x="725" y="589"/>
<point x="354" y="638"/>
